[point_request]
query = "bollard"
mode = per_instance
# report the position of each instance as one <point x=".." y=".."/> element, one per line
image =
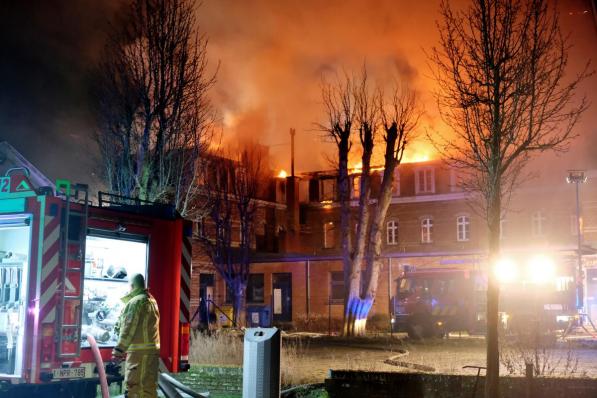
<point x="529" y="378"/>
<point x="261" y="363"/>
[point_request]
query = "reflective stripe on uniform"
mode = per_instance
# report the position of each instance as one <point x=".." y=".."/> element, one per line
<point x="147" y="346"/>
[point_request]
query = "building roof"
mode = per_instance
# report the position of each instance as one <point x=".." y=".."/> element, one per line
<point x="10" y="158"/>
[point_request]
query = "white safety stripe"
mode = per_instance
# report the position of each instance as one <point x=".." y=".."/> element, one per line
<point x="48" y="294"/>
<point x="186" y="253"/>
<point x="185" y="300"/>
<point x="49" y="267"/>
<point x="185" y="276"/>
<point x="69" y="286"/>
<point x="50" y="316"/>
<point x="52" y="238"/>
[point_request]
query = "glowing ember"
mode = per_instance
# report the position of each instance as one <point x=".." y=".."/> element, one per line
<point x="282" y="174"/>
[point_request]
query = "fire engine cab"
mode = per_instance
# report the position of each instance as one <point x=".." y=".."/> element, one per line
<point x="64" y="265"/>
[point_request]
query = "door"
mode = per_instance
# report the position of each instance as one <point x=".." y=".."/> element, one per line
<point x="282" y="297"/>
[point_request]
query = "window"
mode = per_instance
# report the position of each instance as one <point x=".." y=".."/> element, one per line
<point x="329" y="238"/>
<point x="453" y="183"/>
<point x="463" y="228"/>
<point x="337" y="287"/>
<point x="503" y="228"/>
<point x="396" y="190"/>
<point x="328" y="189"/>
<point x="356" y="186"/>
<point x="255" y="289"/>
<point x="538" y="224"/>
<point x="426" y="230"/>
<point x="199" y="228"/>
<point x="424" y="180"/>
<point x="392" y="232"/>
<point x="564" y="283"/>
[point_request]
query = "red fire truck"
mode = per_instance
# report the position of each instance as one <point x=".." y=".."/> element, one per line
<point x="435" y="301"/>
<point x="64" y="264"/>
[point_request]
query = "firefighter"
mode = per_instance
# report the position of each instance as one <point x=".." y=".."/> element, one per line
<point x="139" y="338"/>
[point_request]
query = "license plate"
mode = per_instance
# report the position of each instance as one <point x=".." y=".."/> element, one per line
<point x="68" y="373"/>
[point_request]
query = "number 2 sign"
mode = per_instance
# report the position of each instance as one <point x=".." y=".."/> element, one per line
<point x="5" y="184"/>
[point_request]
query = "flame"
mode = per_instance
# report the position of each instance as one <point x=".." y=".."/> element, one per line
<point x="416" y="157"/>
<point x="282" y="174"/>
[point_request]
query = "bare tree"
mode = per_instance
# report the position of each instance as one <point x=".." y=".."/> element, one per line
<point x="354" y="107"/>
<point x="154" y="117"/>
<point x="231" y="188"/>
<point x="503" y="90"/>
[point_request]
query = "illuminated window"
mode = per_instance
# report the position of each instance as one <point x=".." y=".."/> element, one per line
<point x="329" y="238"/>
<point x="538" y="224"/>
<point x="392" y="232"/>
<point x="356" y="186"/>
<point x="463" y="227"/>
<point x="337" y="286"/>
<point x="426" y="230"/>
<point x="424" y="181"/>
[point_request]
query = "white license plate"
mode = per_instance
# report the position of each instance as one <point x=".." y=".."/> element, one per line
<point x="68" y="373"/>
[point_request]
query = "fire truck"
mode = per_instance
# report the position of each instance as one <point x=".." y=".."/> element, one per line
<point x="432" y="302"/>
<point x="64" y="265"/>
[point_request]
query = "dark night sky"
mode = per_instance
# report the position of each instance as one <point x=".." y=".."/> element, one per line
<point x="272" y="54"/>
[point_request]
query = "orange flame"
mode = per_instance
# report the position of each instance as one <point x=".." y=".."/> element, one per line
<point x="282" y="174"/>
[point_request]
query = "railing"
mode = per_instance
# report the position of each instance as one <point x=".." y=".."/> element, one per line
<point x="135" y="205"/>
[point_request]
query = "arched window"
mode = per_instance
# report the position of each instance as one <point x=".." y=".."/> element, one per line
<point x="392" y="232"/>
<point x="463" y="228"/>
<point x="426" y="230"/>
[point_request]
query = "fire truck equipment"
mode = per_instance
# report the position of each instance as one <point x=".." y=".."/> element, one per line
<point x="64" y="264"/>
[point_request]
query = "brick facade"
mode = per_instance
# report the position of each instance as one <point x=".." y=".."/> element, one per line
<point x="299" y="247"/>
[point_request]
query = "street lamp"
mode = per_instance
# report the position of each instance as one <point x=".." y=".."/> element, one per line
<point x="578" y="177"/>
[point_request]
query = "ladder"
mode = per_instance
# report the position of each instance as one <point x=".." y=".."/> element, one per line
<point x="72" y="255"/>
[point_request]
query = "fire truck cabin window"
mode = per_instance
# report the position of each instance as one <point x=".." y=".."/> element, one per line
<point x="109" y="263"/>
<point x="15" y="244"/>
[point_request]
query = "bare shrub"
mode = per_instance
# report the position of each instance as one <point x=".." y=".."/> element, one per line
<point x="530" y="345"/>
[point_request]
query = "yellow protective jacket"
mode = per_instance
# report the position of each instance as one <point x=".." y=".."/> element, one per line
<point x="139" y="323"/>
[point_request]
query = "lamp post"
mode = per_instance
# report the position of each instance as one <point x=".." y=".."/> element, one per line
<point x="578" y="177"/>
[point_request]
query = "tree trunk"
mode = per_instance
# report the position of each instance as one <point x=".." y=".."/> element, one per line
<point x="357" y="311"/>
<point x="493" y="292"/>
<point x="239" y="309"/>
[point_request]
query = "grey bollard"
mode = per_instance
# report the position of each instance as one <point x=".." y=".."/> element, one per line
<point x="261" y="363"/>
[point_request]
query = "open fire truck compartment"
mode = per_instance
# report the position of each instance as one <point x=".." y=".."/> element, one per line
<point x="64" y="265"/>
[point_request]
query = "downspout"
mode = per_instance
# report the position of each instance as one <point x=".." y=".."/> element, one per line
<point x="390" y="286"/>
<point x="308" y="295"/>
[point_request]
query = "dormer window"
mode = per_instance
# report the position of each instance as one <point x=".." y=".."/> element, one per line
<point x="425" y="180"/>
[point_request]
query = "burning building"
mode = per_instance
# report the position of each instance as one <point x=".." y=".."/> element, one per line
<point x="432" y="224"/>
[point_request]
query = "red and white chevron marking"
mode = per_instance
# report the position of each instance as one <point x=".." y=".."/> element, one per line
<point x="50" y="271"/>
<point x="185" y="281"/>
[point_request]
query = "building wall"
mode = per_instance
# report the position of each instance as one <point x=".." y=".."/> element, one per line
<point x="310" y="295"/>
